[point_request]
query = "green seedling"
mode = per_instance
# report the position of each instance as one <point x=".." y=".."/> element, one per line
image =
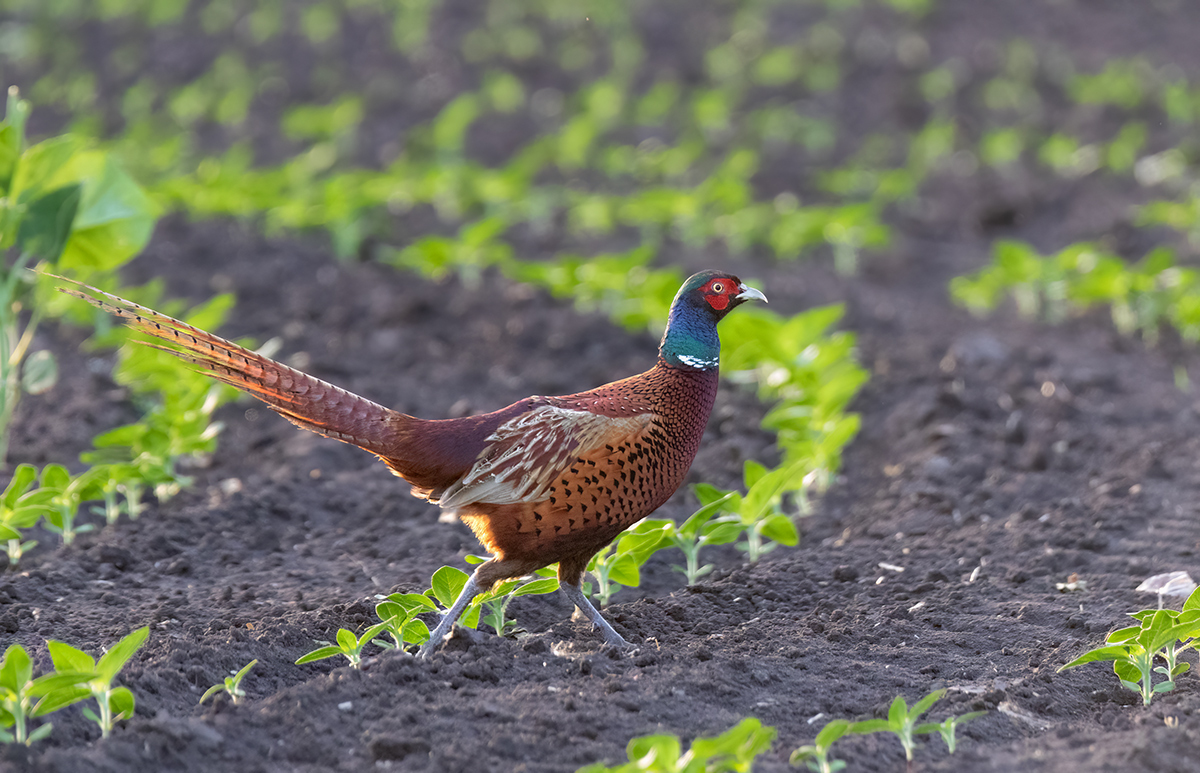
<point x="733" y="752"/>
<point x="18" y="690"/>
<point x="901" y="720"/>
<point x="1171" y="651"/>
<point x="699" y="531"/>
<point x="816" y="754"/>
<point x="475" y="249"/>
<point x="17" y="697"/>
<point x="68" y="493"/>
<point x="232" y="686"/>
<point x="14" y="342"/>
<point x="445" y="585"/>
<point x="759" y="512"/>
<point x="609" y="570"/>
<point x="1123" y="152"/>
<point x="1122" y="82"/>
<point x="21" y="507"/>
<point x="601" y="283"/>
<point x="1036" y="285"/>
<point x="1133" y="650"/>
<point x="347" y="644"/>
<point x="112" y="482"/>
<point x="948" y="727"/>
<point x="64" y="204"/>
<point x="398" y="612"/>
<point x="19" y="374"/>
<point x="491" y="606"/>
<point x="1142" y="297"/>
<point x="181" y="426"/>
<point x="140" y="449"/>
<point x="1181" y="214"/>
<point x="134" y="492"/>
<point x="495" y="602"/>
<point x="620" y="562"/>
<point x="96" y="680"/>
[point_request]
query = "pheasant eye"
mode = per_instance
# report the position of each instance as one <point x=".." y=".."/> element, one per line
<point x="717" y="287"/>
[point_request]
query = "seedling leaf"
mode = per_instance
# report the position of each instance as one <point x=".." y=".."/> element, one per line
<point x="535" y="587"/>
<point x="868" y="726"/>
<point x="62" y="697"/>
<point x="779" y="528"/>
<point x="722" y="532"/>
<point x="925" y="703"/>
<point x="121" y="702"/>
<point x="319" y="654"/>
<point x="211" y="691"/>
<point x="17" y="668"/>
<point x="23" y="476"/>
<point x="48" y="683"/>
<point x="39" y="373"/>
<point x="1125" y="634"/>
<point x="67" y="658"/>
<point x="40" y="733"/>
<point x="1112" y="652"/>
<point x="625" y="570"/>
<point x="115" y="659"/>
<point x="832" y="731"/>
<point x="447" y="583"/>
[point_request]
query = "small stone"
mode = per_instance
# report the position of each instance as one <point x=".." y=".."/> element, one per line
<point x="118" y="557"/>
<point x="390" y="748"/>
<point x="845" y="574"/>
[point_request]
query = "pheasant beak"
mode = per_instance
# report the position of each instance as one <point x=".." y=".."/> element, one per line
<point x="749" y="294"/>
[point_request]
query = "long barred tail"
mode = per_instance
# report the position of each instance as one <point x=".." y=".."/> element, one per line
<point x="304" y="400"/>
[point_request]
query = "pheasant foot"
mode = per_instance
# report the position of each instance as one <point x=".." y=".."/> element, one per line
<point x="577" y="597"/>
<point x="452" y="614"/>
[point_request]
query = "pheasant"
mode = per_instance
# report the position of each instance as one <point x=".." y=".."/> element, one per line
<point x="545" y="480"/>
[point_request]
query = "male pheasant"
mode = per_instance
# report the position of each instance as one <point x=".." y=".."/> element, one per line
<point x="546" y="479"/>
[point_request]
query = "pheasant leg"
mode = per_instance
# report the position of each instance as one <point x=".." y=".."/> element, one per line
<point x="436" y="636"/>
<point x="575" y="594"/>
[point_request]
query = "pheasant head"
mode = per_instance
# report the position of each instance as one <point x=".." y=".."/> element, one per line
<point x="691" y="340"/>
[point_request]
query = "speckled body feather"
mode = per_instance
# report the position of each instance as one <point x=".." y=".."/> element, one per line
<point x="625" y="471"/>
<point x="544" y="480"/>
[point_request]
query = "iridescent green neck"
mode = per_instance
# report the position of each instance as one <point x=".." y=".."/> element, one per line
<point x="691" y="339"/>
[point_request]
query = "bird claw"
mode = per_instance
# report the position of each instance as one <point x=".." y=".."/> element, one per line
<point x="471" y="635"/>
<point x="618" y="650"/>
<point x="372" y="661"/>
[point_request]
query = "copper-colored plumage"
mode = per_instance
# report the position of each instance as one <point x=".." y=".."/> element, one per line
<point x="544" y="480"/>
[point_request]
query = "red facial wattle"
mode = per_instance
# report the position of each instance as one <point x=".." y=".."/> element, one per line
<point x="717" y="293"/>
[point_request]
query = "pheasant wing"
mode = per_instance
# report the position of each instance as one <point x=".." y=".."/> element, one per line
<point x="524" y="456"/>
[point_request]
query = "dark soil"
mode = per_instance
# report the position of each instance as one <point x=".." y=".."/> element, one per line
<point x="997" y="458"/>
